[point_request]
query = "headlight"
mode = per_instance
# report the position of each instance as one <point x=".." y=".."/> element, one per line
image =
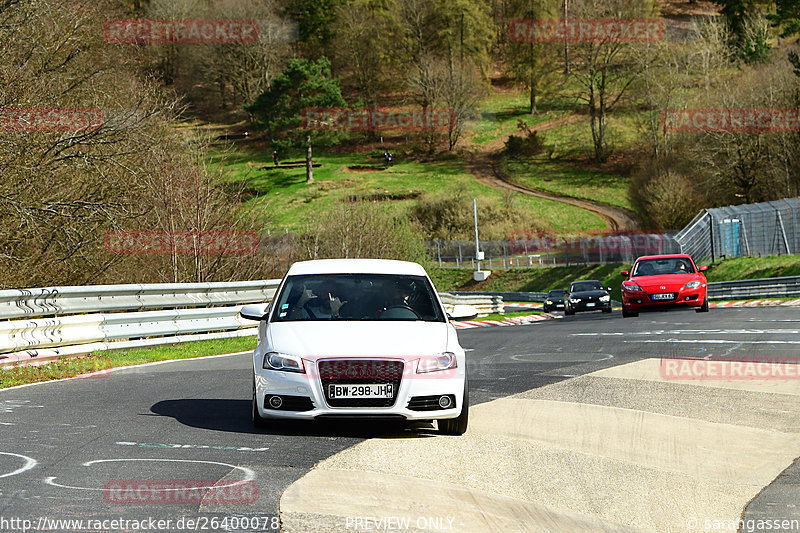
<point x="692" y="285"/>
<point x="282" y="361"/>
<point x="574" y="300"/>
<point x="631" y="286"/>
<point x="436" y="363"/>
<point x="605" y="298"/>
<point x="549" y="302"/>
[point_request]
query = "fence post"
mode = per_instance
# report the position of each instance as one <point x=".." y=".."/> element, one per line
<point x="460" y="258"/>
<point x="505" y="255"/>
<point x="439" y="252"/>
<point x="711" y="233"/>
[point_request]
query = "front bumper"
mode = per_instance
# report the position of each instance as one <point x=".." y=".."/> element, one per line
<point x="309" y="385"/>
<point x="636" y="301"/>
<point x="589" y="306"/>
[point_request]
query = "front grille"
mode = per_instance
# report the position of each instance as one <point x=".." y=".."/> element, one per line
<point x="290" y="403"/>
<point x="360" y="372"/>
<point x="428" y="403"/>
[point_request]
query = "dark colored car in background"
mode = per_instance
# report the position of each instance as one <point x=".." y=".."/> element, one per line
<point x="587" y="295"/>
<point x="554" y="301"/>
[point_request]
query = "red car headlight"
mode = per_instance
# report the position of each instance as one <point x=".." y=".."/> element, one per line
<point x="631" y="286"/>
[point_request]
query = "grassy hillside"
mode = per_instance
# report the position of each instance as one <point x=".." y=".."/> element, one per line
<point x="289" y="203"/>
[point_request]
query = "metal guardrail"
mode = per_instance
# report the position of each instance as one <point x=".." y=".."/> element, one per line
<point x="511" y="296"/>
<point x="484" y="304"/>
<point x="786" y="287"/>
<point x="43" y="324"/>
<point x="54" y="301"/>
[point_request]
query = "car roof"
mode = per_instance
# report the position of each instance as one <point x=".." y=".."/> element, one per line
<point x="665" y="256"/>
<point x="587" y="281"/>
<point x="356" y="266"/>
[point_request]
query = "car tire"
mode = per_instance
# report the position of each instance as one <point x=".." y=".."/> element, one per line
<point x="258" y="420"/>
<point x="568" y="311"/>
<point x="607" y="310"/>
<point x="703" y="308"/>
<point x="458" y="425"/>
<point x="629" y="314"/>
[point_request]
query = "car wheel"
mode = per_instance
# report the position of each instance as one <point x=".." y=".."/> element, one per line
<point x="629" y="314"/>
<point x="258" y="420"/>
<point x="607" y="310"/>
<point x="703" y="308"/>
<point x="568" y="310"/>
<point x="458" y="425"/>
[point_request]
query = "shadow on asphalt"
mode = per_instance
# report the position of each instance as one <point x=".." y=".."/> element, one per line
<point x="234" y="416"/>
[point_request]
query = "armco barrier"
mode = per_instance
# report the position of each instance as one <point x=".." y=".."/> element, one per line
<point x="41" y="325"/>
<point x="786" y="287"/>
<point x="485" y="305"/>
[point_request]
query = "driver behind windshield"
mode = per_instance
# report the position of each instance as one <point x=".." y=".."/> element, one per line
<point x="400" y="297"/>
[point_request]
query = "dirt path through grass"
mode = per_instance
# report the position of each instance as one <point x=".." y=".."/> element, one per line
<point x="483" y="167"/>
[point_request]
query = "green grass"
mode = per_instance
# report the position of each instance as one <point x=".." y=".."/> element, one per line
<point x="498" y="316"/>
<point x="561" y="178"/>
<point x="66" y="368"/>
<point x="290" y="204"/>
<point x="755" y="267"/>
<point x="500" y="113"/>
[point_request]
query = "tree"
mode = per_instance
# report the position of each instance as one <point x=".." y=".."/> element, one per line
<point x="304" y="84"/>
<point x="315" y="20"/>
<point x="534" y="65"/>
<point x="363" y="41"/>
<point x="787" y="17"/>
<point x="605" y="68"/>
<point x="444" y="46"/>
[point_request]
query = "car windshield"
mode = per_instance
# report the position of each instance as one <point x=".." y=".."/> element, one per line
<point x="659" y="267"/>
<point x="586" y="286"/>
<point x="553" y="295"/>
<point x="357" y="297"/>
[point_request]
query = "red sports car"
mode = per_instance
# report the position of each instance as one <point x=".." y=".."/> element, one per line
<point x="659" y="281"/>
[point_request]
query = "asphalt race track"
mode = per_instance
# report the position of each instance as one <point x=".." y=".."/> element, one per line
<point x="188" y="421"/>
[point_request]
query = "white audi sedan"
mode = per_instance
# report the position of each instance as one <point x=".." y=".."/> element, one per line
<point x="359" y="338"/>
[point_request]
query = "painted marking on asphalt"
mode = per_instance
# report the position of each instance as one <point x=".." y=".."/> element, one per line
<point x="695" y="332"/>
<point x="190" y="446"/>
<point x="249" y="475"/>
<point x="711" y="341"/>
<point x="29" y="463"/>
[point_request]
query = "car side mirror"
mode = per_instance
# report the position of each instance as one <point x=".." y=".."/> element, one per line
<point x="703" y="268"/>
<point x="625" y="272"/>
<point x="255" y="312"/>
<point x="463" y="312"/>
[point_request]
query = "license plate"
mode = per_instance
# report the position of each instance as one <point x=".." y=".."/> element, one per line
<point x="665" y="296"/>
<point x="590" y="304"/>
<point x="370" y="390"/>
